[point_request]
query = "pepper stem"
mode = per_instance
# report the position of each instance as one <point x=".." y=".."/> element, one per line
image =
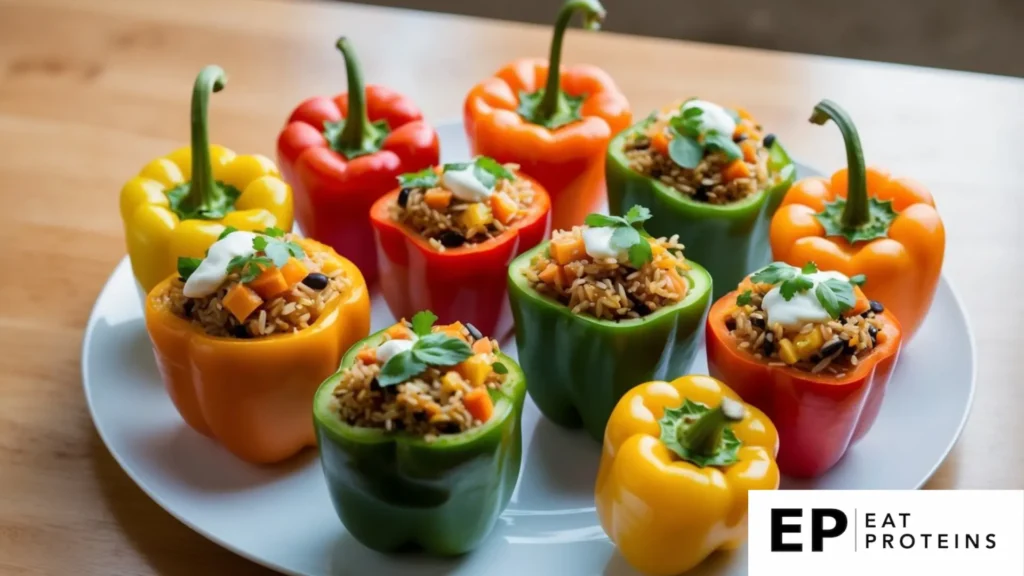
<point x="201" y="189"/>
<point x="554" y="100"/>
<point x="856" y="213"/>
<point x="359" y="134"/>
<point x="703" y="435"/>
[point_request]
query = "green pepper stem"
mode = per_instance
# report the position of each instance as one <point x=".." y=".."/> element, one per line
<point x="358" y="131"/>
<point x="201" y="189"/>
<point x="856" y="212"/>
<point x="702" y="436"/>
<point x="593" y="14"/>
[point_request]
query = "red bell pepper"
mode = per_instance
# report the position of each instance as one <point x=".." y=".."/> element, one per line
<point x="818" y="416"/>
<point x="468" y="283"/>
<point x="341" y="154"/>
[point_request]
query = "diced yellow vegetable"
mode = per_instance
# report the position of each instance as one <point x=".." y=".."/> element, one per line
<point x="787" y="351"/>
<point x="807" y="345"/>
<point x="475" y="369"/>
<point x="477" y="215"/>
<point x="452" y="382"/>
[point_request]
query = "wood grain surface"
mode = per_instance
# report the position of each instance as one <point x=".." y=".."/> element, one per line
<point x="91" y="90"/>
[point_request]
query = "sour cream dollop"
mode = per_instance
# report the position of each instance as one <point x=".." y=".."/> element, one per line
<point x="465" y="186"/>
<point x="392" y="347"/>
<point x="714" y="117"/>
<point x="213" y="270"/>
<point x="802" y="308"/>
<point x="598" y="243"/>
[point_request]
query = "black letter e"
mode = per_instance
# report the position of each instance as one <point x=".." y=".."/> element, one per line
<point x="779" y="528"/>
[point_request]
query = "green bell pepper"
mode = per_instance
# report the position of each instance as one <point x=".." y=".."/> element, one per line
<point x="730" y="239"/>
<point x="578" y="366"/>
<point x="393" y="490"/>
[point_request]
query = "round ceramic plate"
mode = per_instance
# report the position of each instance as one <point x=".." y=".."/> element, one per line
<point x="282" y="517"/>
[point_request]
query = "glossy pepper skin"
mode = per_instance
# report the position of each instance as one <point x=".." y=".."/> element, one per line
<point x="559" y="144"/>
<point x="667" y="514"/>
<point x="900" y="250"/>
<point x="341" y="154"/>
<point x="729" y="239"/>
<point x="157" y="234"/>
<point x="577" y="366"/>
<point x="253" y="395"/>
<point x="818" y="416"/>
<point x="465" y="284"/>
<point x="393" y="490"/>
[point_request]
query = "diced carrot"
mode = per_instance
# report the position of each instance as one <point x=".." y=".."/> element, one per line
<point x="552" y="274"/>
<point x="437" y="198"/>
<point x="368" y="355"/>
<point x="503" y="207"/>
<point x="743" y="114"/>
<point x="861" y="303"/>
<point x="854" y="340"/>
<point x="748" y="128"/>
<point x="242" y="301"/>
<point x="483" y="346"/>
<point x="570" y="274"/>
<point x="294" y="271"/>
<point x="735" y="170"/>
<point x="478" y="403"/>
<point x="659" y="141"/>
<point x="456" y="330"/>
<point x="749" y="148"/>
<point x="269" y="283"/>
<point x="567" y="249"/>
<point x="399" y="332"/>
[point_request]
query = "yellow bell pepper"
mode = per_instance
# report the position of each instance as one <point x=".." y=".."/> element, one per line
<point x="179" y="204"/>
<point x="677" y="462"/>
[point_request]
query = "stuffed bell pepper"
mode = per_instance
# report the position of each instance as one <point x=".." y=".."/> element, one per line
<point x="445" y="239"/>
<point x="244" y="336"/>
<point x="179" y="204"/>
<point x="341" y="154"/>
<point x="601" y="308"/>
<point x="420" y="436"/>
<point x="555" y="125"/>
<point x="709" y="174"/>
<point x="808" y="348"/>
<point x="864" y="221"/>
<point x="678" y="461"/>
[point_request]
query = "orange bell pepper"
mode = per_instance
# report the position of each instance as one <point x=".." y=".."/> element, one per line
<point x="254" y="396"/>
<point x="864" y="221"/>
<point x="556" y="127"/>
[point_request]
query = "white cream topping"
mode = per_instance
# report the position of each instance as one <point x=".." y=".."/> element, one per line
<point x="598" y="243"/>
<point x="213" y="270"/>
<point x="465" y="186"/>
<point x="392" y="347"/>
<point x="802" y="308"/>
<point x="714" y="117"/>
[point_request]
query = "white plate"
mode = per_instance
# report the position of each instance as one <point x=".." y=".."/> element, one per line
<point x="282" y="517"/>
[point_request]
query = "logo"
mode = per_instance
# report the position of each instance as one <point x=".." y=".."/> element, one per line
<point x="886" y="532"/>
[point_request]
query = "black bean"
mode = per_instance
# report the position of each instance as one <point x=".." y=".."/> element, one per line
<point x="873" y="332"/>
<point x="474" y="331"/>
<point x="420" y="416"/>
<point x="452" y="239"/>
<point x="655" y="173"/>
<point x="240" y="331"/>
<point x="730" y="324"/>
<point x="374" y="385"/>
<point x="316" y="281"/>
<point x="769" y="343"/>
<point x="189" y="306"/>
<point x="769" y="140"/>
<point x="849" y="349"/>
<point x="638" y="305"/>
<point x="831" y="347"/>
<point x="739" y="138"/>
<point x="757" y="321"/>
<point x="403" y="196"/>
<point x="877" y="307"/>
<point x="701" y="193"/>
<point x="448" y="428"/>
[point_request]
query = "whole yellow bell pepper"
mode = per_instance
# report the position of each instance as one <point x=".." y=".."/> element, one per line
<point x="179" y="204"/>
<point x="678" y="460"/>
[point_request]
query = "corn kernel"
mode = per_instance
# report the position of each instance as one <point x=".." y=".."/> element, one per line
<point x="787" y="351"/>
<point x="475" y="369"/>
<point x="808" y="344"/>
<point x="477" y="215"/>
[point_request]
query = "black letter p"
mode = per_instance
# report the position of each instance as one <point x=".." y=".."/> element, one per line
<point x="818" y="532"/>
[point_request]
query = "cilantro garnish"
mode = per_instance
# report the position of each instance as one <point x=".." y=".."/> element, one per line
<point x="691" y="138"/>
<point x="437" y="349"/>
<point x="426" y="178"/>
<point x="835" y="296"/>
<point x="422" y="321"/>
<point x="858" y="279"/>
<point x="487" y="171"/>
<point x="187" y="266"/>
<point x="499" y="368"/>
<point x="744" y="298"/>
<point x="629" y="233"/>
<point x="270" y="250"/>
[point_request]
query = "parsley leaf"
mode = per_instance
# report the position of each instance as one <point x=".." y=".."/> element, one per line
<point x="858" y="280"/>
<point x="604" y="221"/>
<point x="800" y="283"/>
<point x="828" y="300"/>
<point x="638" y="214"/>
<point x="426" y="178"/>
<point x="629" y="234"/>
<point x="685" y="151"/>
<point x="275" y="252"/>
<point x="836" y="296"/>
<point x="436" y="349"/>
<point x="400" y="368"/>
<point x="715" y="140"/>
<point x="691" y="138"/>
<point x="273" y="232"/>
<point x="774" y="273"/>
<point x="422" y="321"/>
<point x="486" y="170"/>
<point x="744" y="298"/>
<point x="499" y="368"/>
<point x="187" y="266"/>
<point x="809" y="268"/>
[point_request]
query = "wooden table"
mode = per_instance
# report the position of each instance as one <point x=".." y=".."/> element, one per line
<point x="90" y="91"/>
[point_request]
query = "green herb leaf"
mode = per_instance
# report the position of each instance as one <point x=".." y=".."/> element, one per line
<point x="744" y="298"/>
<point x="604" y="221"/>
<point x="714" y="140"/>
<point x="273" y="232"/>
<point x="774" y="273"/>
<point x="624" y="237"/>
<point x="399" y="368"/>
<point x="422" y="322"/>
<point x="692" y="112"/>
<point x="638" y="214"/>
<point x="724" y="454"/>
<point x="187" y="266"/>
<point x="260" y="243"/>
<point x="858" y="280"/>
<point x="799" y="283"/>
<point x="835" y="296"/>
<point x="809" y="268"/>
<point x="456" y="166"/>
<point x="629" y="234"/>
<point x="828" y="300"/>
<point x="640" y="253"/>
<point x="685" y="151"/>
<point x="440" y="349"/>
<point x="227" y="231"/>
<point x="489" y="171"/>
<point x="499" y="368"/>
<point x="426" y="178"/>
